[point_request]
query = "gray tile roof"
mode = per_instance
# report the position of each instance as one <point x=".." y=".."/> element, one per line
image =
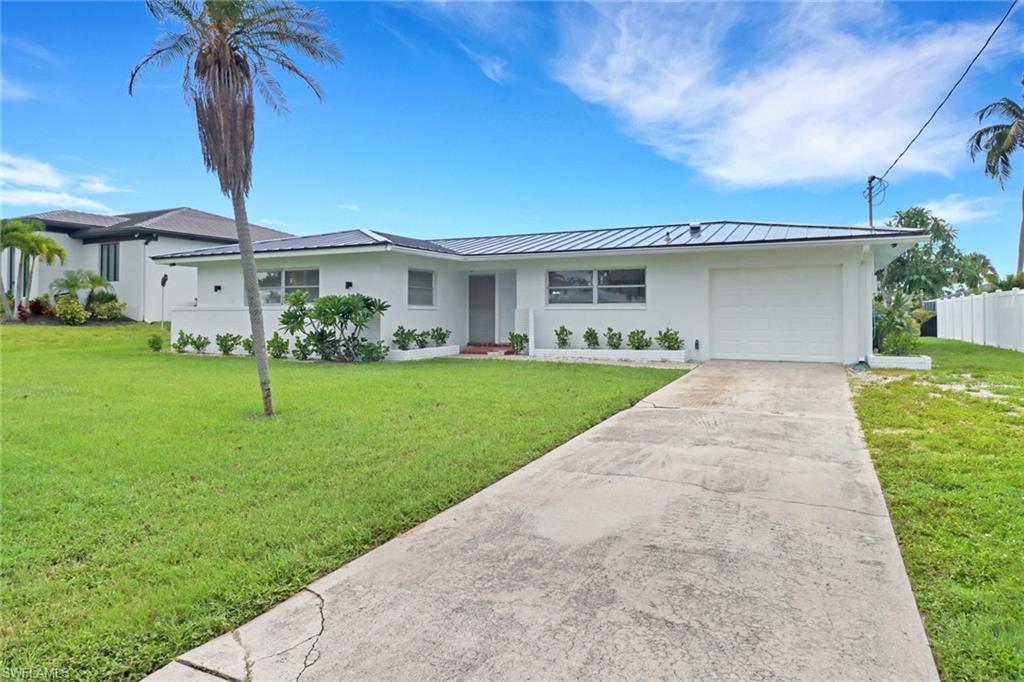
<point x="719" y="232"/>
<point x="184" y="221"/>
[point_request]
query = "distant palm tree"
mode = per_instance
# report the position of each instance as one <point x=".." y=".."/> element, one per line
<point x="94" y="282"/>
<point x="998" y="142"/>
<point x="25" y="237"/>
<point x="228" y="47"/>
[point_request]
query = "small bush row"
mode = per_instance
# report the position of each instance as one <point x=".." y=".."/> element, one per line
<point x="636" y="339"/>
<point x="404" y="339"/>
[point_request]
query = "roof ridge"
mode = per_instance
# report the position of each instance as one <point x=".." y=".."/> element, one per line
<point x="161" y="213"/>
<point x="373" y="235"/>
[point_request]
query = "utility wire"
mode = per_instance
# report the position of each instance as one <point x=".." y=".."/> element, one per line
<point x="952" y="89"/>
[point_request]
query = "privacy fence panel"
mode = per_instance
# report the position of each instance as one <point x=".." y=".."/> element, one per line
<point x="992" y="319"/>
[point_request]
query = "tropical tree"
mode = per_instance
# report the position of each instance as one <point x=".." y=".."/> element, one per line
<point x="70" y="283"/>
<point x="12" y="235"/>
<point x="974" y="269"/>
<point x="926" y="269"/>
<point x="94" y="282"/>
<point x="24" y="236"/>
<point x="228" y="47"/>
<point x="998" y="142"/>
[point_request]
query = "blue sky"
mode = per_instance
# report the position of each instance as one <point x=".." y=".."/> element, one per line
<point x="481" y="118"/>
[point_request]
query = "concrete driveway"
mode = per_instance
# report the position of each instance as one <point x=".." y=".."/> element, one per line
<point x="730" y="527"/>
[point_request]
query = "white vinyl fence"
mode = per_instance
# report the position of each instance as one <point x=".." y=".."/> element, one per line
<point x="992" y="319"/>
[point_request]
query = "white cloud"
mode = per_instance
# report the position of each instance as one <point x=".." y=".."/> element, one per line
<point x="493" y="67"/>
<point x="49" y="199"/>
<point x="958" y="209"/>
<point x="29" y="182"/>
<point x="34" y="50"/>
<point x="13" y="91"/>
<point x="271" y="221"/>
<point x="349" y="207"/>
<point x="97" y="184"/>
<point x="20" y="170"/>
<point x="803" y="93"/>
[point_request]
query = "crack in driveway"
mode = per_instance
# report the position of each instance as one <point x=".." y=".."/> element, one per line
<point x="306" y="663"/>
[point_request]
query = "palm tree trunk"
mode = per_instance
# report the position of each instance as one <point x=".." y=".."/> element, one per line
<point x="19" y="283"/>
<point x="252" y="299"/>
<point x="5" y="307"/>
<point x="1020" y="243"/>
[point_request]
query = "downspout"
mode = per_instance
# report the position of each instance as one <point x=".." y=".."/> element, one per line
<point x="145" y="245"/>
<point x="867" y="264"/>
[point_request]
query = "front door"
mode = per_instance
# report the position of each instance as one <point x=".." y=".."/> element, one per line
<point x="481" y="309"/>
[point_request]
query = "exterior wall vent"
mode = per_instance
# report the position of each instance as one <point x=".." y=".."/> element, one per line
<point x="694" y="228"/>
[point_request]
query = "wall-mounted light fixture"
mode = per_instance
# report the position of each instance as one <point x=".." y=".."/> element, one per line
<point x="216" y="287"/>
<point x="348" y="285"/>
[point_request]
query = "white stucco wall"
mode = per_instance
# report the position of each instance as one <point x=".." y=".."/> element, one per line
<point x="678" y="292"/>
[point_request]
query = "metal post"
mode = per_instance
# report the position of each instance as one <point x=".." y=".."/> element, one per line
<point x="871" y="201"/>
<point x="163" y="289"/>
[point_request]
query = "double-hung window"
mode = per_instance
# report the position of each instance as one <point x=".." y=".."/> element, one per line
<point x="421" y="288"/>
<point x="626" y="285"/>
<point x="275" y="285"/>
<point x="110" y="256"/>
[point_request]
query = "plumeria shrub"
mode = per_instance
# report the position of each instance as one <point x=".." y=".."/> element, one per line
<point x="277" y="346"/>
<point x="227" y="343"/>
<point x="669" y="339"/>
<point x="638" y="340"/>
<point x="591" y="338"/>
<point x="518" y="342"/>
<point x="562" y="335"/>
<point x="333" y="325"/>
<point x="404" y="338"/>
<point x="182" y="343"/>
<point x="199" y="343"/>
<point x="440" y="335"/>
<point x="613" y="339"/>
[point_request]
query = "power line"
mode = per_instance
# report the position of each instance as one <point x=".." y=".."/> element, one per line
<point x="952" y="89"/>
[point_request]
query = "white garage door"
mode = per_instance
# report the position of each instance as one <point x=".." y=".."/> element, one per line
<point x="777" y="314"/>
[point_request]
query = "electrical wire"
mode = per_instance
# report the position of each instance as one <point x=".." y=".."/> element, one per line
<point x="952" y="89"/>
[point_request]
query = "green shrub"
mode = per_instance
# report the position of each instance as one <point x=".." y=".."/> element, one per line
<point x="247" y="345"/>
<point x="422" y="339"/>
<point x="374" y="351"/>
<point x="40" y="305"/>
<point x="156" y="343"/>
<point x="518" y="342"/>
<point x="71" y="311"/>
<point x="902" y="342"/>
<point x="303" y="349"/>
<point x="440" y="335"/>
<point x="922" y="315"/>
<point x="277" y="346"/>
<point x="668" y="339"/>
<point x="332" y="325"/>
<point x="182" y="343"/>
<point x="613" y="339"/>
<point x="199" y="343"/>
<point x="227" y="343"/>
<point x="102" y="296"/>
<point x="590" y="338"/>
<point x="404" y="338"/>
<point x="638" y="340"/>
<point x="107" y="310"/>
<point x="562" y="335"/>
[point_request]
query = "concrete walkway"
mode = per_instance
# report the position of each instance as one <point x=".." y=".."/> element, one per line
<point x="729" y="527"/>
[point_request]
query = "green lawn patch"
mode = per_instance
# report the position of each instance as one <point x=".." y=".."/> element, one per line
<point x="146" y="507"/>
<point x="948" y="446"/>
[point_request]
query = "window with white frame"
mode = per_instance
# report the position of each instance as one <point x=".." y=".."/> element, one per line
<point x="421" y="288"/>
<point x="626" y="285"/>
<point x="110" y="256"/>
<point x="275" y="285"/>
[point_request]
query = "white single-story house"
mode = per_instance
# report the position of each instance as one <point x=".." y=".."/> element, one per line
<point x="121" y="247"/>
<point x="734" y="289"/>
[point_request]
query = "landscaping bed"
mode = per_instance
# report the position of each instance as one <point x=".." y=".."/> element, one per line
<point x="147" y="507"/>
<point x="948" y="446"/>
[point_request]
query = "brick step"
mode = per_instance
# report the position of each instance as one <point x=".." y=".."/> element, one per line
<point x="486" y="349"/>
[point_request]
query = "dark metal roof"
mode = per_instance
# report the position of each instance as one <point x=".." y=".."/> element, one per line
<point x="719" y="232"/>
<point x="714" y="233"/>
<point x="183" y="222"/>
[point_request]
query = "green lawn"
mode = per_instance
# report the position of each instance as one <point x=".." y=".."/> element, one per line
<point x="949" y="449"/>
<point x="146" y="507"/>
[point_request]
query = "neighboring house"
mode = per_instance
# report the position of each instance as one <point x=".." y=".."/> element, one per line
<point x="742" y="290"/>
<point x="120" y="247"/>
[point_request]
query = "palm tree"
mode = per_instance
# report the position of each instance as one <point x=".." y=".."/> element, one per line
<point x="94" y="282"/>
<point x="12" y="235"/>
<point x="228" y="47"/>
<point x="71" y="283"/>
<point x="998" y="142"/>
<point x="25" y="237"/>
